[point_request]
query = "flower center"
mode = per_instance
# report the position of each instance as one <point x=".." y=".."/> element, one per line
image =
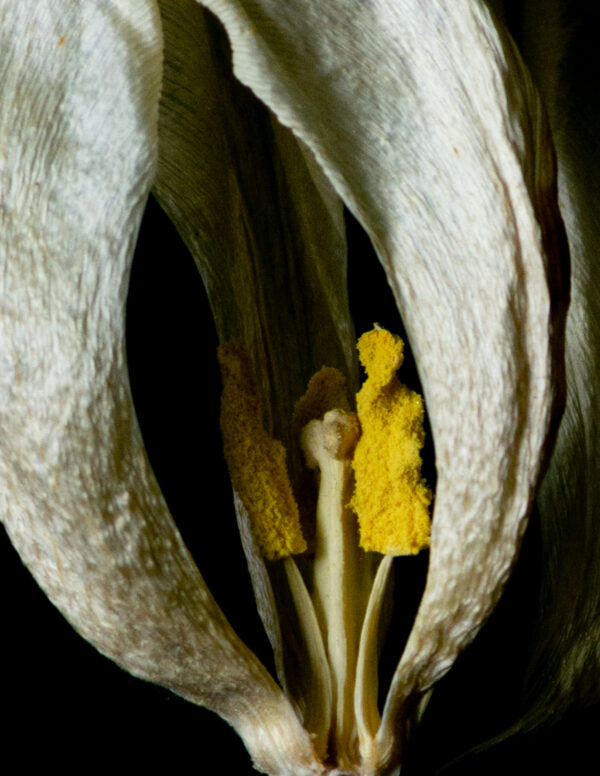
<point x="371" y="499"/>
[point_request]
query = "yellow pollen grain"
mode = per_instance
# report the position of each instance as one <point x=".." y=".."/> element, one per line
<point x="256" y="461"/>
<point x="390" y="496"/>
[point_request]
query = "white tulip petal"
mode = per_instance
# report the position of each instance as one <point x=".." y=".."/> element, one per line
<point x="566" y="660"/>
<point x="257" y="214"/>
<point x="79" y="85"/>
<point x="426" y="124"/>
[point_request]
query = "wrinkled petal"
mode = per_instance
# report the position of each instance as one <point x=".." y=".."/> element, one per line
<point x="257" y="214"/>
<point x="79" y="88"/>
<point x="426" y="123"/>
<point x="565" y="667"/>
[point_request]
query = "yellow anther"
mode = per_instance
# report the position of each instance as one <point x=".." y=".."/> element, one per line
<point x="326" y="390"/>
<point x="390" y="497"/>
<point x="256" y="461"/>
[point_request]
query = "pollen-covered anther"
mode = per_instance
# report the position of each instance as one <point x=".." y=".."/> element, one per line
<point x="256" y="461"/>
<point x="390" y="497"/>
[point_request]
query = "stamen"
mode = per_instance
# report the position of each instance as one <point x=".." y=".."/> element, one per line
<point x="390" y="498"/>
<point x="326" y="390"/>
<point x="316" y="716"/>
<point x="256" y="461"/>
<point x="367" y="678"/>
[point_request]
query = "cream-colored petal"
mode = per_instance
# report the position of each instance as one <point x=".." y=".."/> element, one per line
<point x="79" y="88"/>
<point x="424" y="120"/>
<point x="257" y="214"/>
<point x="561" y="53"/>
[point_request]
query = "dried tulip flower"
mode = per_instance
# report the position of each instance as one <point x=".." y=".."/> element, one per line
<point x="423" y="120"/>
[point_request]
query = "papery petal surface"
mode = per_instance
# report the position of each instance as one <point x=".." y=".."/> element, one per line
<point x="79" y="85"/>
<point x="565" y="661"/>
<point x="259" y="217"/>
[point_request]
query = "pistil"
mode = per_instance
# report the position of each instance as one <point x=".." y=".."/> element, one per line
<point x="339" y="567"/>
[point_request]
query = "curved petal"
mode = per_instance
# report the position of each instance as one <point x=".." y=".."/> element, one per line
<point x="426" y="123"/>
<point x="262" y="222"/>
<point x="562" y="56"/>
<point x="79" y="88"/>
